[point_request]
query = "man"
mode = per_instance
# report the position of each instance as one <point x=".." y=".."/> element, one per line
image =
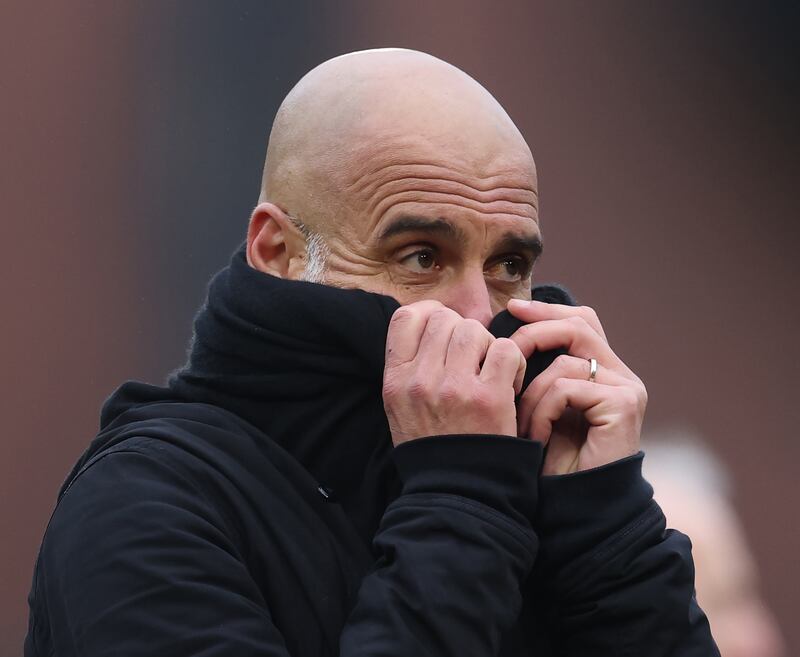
<point x="348" y="463"/>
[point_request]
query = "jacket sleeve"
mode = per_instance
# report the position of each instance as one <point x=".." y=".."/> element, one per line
<point x="613" y="579"/>
<point x="455" y="548"/>
<point x="134" y="562"/>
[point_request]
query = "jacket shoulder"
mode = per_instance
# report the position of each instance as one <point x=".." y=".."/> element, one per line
<point x="137" y="530"/>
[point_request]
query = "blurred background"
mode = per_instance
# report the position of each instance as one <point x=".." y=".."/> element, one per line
<point x="132" y="136"/>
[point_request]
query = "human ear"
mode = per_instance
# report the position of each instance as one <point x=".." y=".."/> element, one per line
<point x="272" y="240"/>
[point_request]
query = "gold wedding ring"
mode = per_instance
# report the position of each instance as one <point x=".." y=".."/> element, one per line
<point x="592" y="369"/>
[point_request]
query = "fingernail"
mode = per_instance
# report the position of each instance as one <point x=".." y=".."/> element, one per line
<point x="518" y="303"/>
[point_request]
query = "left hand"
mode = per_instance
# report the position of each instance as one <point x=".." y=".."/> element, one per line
<point x="585" y="423"/>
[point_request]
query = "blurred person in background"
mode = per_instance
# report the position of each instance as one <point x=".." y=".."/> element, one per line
<point x="694" y="490"/>
<point x="350" y="461"/>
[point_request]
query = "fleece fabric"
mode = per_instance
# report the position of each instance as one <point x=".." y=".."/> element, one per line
<point x="255" y="506"/>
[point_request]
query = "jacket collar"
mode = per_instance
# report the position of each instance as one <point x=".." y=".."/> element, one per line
<point x="304" y="363"/>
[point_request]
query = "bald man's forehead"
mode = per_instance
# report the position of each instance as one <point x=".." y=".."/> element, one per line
<point x="400" y="121"/>
<point x="483" y="165"/>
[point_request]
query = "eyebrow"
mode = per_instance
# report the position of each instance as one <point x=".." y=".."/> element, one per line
<point x="414" y="224"/>
<point x="529" y="243"/>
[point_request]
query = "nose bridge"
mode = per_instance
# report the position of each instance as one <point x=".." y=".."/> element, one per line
<point x="470" y="297"/>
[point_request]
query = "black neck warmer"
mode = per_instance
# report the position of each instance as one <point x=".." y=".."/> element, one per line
<point x="304" y="363"/>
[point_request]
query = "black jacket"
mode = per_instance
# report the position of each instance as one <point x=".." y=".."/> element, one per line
<point x="256" y="506"/>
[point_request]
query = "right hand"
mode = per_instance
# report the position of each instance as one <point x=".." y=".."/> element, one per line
<point x="434" y="383"/>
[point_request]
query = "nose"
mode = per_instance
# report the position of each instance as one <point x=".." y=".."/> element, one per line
<point x="469" y="297"/>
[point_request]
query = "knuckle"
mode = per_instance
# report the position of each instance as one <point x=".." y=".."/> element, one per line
<point x="441" y="313"/>
<point x="403" y="314"/>
<point x="502" y="350"/>
<point x="418" y="387"/>
<point x="468" y="332"/>
<point x="505" y="347"/>
<point x="417" y="309"/>
<point x="473" y="326"/>
<point x="450" y="391"/>
<point x="440" y="317"/>
<point x="561" y="363"/>
<point x="578" y="322"/>
<point x="524" y="334"/>
<point x="499" y="349"/>
<point x="468" y="329"/>
<point x="526" y="330"/>
<point x="588" y="313"/>
<point x="425" y="306"/>
<point x="560" y="385"/>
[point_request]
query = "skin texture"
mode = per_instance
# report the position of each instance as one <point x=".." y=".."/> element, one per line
<point x="434" y="384"/>
<point x="422" y="188"/>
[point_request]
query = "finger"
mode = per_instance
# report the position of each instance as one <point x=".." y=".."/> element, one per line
<point x="573" y="334"/>
<point x="504" y="364"/>
<point x="405" y="331"/>
<point x="467" y="347"/>
<point x="563" y="367"/>
<point x="436" y="337"/>
<point x="536" y="311"/>
<point x="589" y="398"/>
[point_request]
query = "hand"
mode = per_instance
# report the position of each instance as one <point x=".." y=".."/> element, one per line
<point x="585" y="424"/>
<point x="434" y="382"/>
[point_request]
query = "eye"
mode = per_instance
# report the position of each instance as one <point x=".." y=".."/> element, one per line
<point x="420" y="261"/>
<point x="510" y="269"/>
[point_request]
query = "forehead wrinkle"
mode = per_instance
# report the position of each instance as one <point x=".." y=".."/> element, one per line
<point x="431" y="184"/>
<point x="379" y="208"/>
<point x="382" y="175"/>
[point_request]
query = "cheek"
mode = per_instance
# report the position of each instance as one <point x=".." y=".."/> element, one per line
<point x="349" y="263"/>
<point x="353" y="272"/>
<point x="406" y="294"/>
<point x="453" y="297"/>
<point x="498" y="302"/>
<point x="501" y="297"/>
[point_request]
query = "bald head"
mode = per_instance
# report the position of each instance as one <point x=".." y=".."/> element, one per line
<point x="375" y="152"/>
<point x="364" y="110"/>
